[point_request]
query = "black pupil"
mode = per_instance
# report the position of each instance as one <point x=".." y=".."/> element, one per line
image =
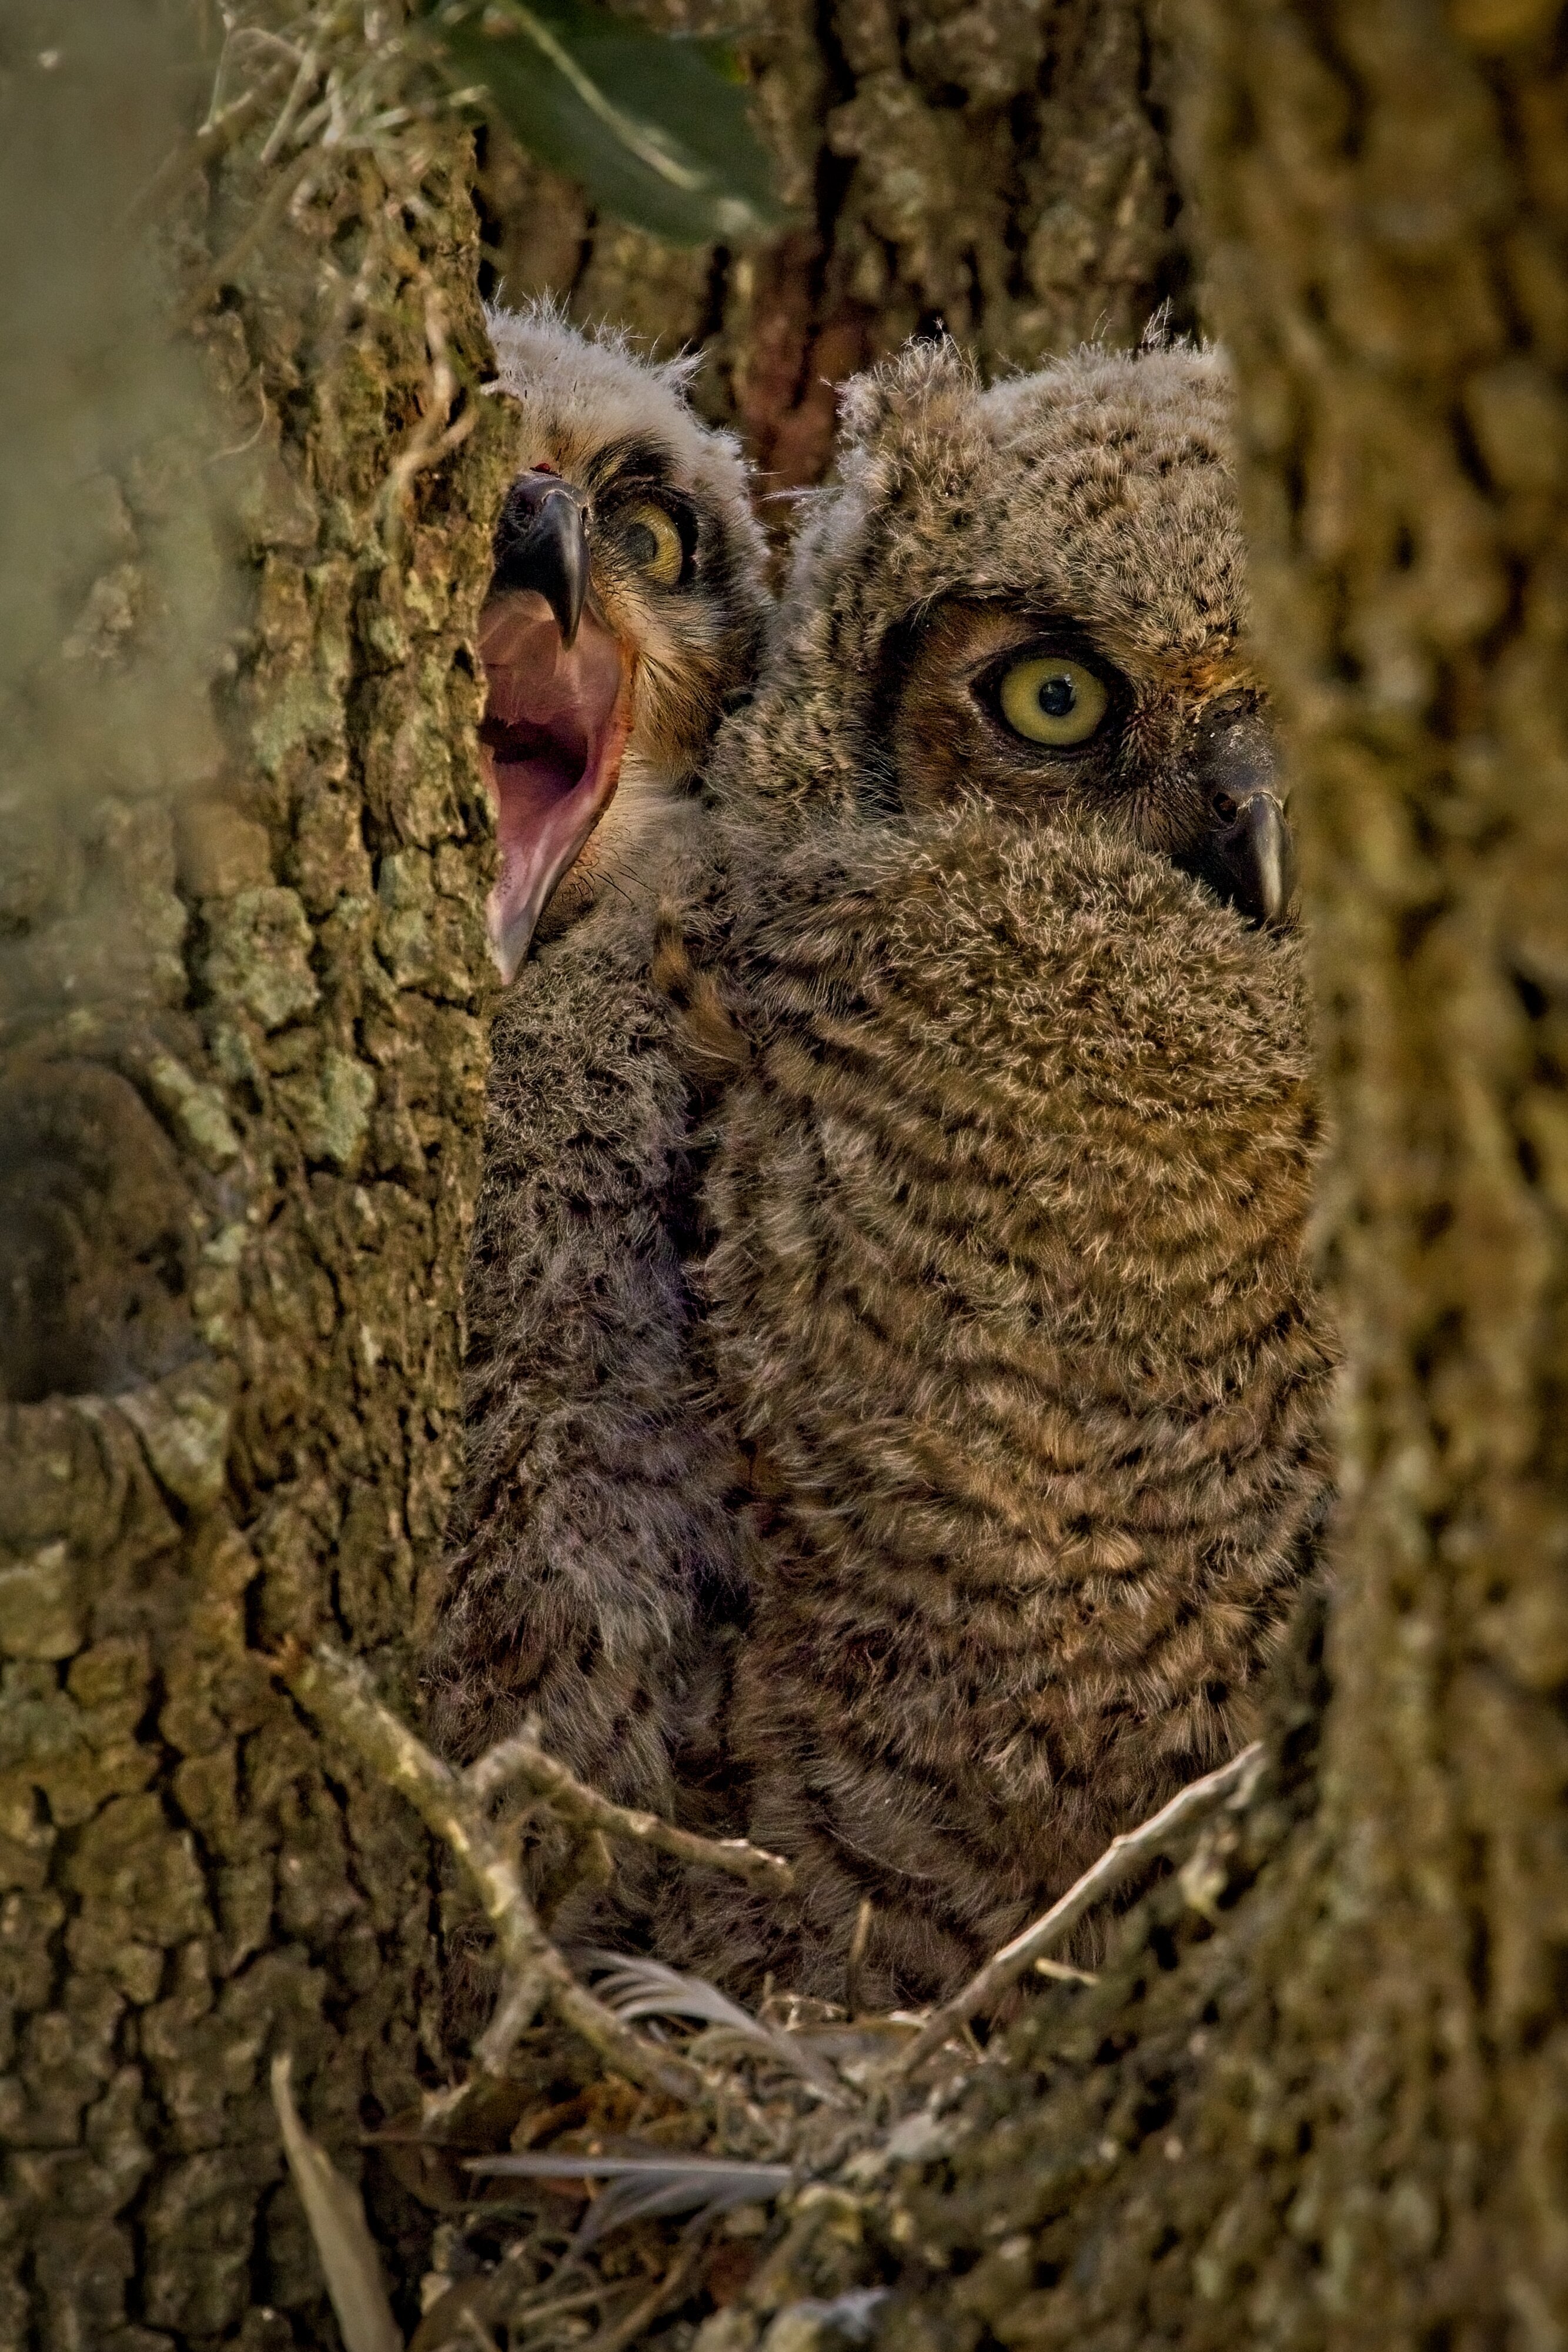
<point x="1057" y="696"/>
<point x="642" y="545"/>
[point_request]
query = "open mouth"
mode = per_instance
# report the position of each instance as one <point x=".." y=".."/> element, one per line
<point x="556" y="722"/>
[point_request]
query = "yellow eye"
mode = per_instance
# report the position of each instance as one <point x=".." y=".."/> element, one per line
<point x="654" y="544"/>
<point x="1049" y="700"/>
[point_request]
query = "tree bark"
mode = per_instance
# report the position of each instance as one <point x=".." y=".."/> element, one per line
<point x="999" y="167"/>
<point x="242" y="1065"/>
<point x="1318" y="2101"/>
<point x="1321" y="2100"/>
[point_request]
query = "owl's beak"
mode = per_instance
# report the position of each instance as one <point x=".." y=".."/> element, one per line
<point x="542" y="544"/>
<point x="1253" y="851"/>
<point x="1245" y="852"/>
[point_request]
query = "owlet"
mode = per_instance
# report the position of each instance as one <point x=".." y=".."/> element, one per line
<point x="626" y="607"/>
<point x="1006" y="1289"/>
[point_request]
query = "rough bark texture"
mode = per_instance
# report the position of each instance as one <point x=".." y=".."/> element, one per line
<point x="996" y="165"/>
<point x="1321" y="2100"/>
<point x="241" y="1077"/>
<point x="1323" y="2104"/>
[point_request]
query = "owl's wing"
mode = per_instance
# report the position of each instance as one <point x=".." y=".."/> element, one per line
<point x="593" y="1534"/>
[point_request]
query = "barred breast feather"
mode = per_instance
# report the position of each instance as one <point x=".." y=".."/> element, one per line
<point x="1009" y="1298"/>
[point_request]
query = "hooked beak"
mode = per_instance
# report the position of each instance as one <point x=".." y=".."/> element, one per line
<point x="1245" y="852"/>
<point x="541" y="543"/>
<point x="558" y="706"/>
<point x="1253" y="850"/>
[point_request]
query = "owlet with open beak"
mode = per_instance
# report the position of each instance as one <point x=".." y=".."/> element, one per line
<point x="624" y="608"/>
<point x="625" y="613"/>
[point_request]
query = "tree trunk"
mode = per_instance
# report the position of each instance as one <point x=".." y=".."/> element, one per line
<point x="1319" y="2100"/>
<point x="999" y="167"/>
<point x="242" y="1060"/>
<point x="1322" y="2102"/>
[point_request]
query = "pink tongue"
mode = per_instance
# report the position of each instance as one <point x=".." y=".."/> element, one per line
<point x="553" y="736"/>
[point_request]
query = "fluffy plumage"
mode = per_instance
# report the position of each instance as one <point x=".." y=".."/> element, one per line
<point x="592" y="1520"/>
<point x="619" y="430"/>
<point x="1007" y="1291"/>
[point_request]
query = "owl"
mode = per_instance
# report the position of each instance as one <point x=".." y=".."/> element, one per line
<point x="1014" y="1121"/>
<point x="625" y="610"/>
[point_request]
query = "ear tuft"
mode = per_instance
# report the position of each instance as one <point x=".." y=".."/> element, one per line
<point x="924" y="384"/>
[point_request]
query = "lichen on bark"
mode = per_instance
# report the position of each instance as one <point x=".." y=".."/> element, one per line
<point x="242" y="1058"/>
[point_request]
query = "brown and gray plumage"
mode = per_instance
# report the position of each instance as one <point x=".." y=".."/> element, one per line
<point x="1006" y="1290"/>
<point x="627" y="604"/>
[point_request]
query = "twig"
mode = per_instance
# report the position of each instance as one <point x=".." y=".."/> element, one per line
<point x="515" y="2011"/>
<point x="256" y="35"/>
<point x="300" y="90"/>
<point x="534" y="2315"/>
<point x="522" y="1758"/>
<point x="204" y="147"/>
<point x="1119" y="1860"/>
<point x="338" y="1689"/>
<point x="1064" y="1972"/>
<point x="491" y="2298"/>
<point x="854" y="1961"/>
<point x="626" y="2331"/>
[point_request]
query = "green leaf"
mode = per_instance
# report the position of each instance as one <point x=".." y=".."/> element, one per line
<point x="655" y="126"/>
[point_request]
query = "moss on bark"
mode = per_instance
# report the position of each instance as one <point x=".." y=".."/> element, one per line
<point x="242" y="1056"/>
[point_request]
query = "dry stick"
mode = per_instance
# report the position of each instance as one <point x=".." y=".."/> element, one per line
<point x="489" y="2299"/>
<point x="855" y="1959"/>
<point x="493" y="2298"/>
<point x="338" y="1690"/>
<point x="522" y="1758"/>
<point x="533" y="2314"/>
<point x="1120" y="1859"/>
<point x="1064" y="1973"/>
<point x="626" y="2331"/>
<point x="304" y="82"/>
